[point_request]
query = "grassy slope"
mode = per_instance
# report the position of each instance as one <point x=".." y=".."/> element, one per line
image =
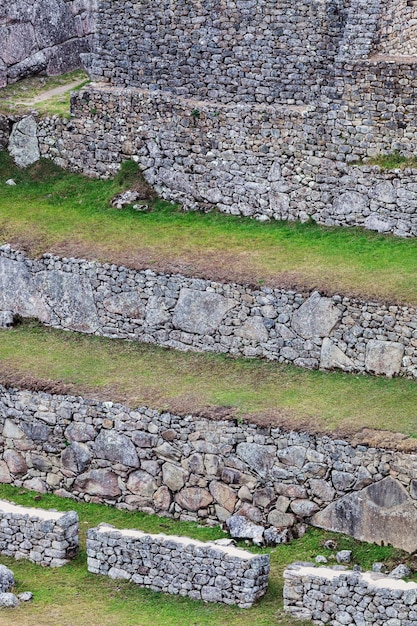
<point x="50" y="210"/>
<point x="21" y="97"/>
<point x="139" y="374"/>
<point x="71" y="596"/>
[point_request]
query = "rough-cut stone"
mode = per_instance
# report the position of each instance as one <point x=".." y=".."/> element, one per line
<point x="259" y="458"/>
<point x="241" y="528"/>
<point x="142" y="484"/>
<point x="200" y="312"/>
<point x="174" y="476"/>
<point x="5" y="476"/>
<point x="71" y="297"/>
<point x="224" y="495"/>
<point x="281" y="520"/>
<point x="8" y="600"/>
<point x="23" y="143"/>
<point x="380" y="513"/>
<point x="375" y="222"/>
<point x="98" y="482"/>
<point x="350" y="202"/>
<point x="116" y="447"/>
<point x="333" y="358"/>
<point x="304" y="508"/>
<point x="316" y="317"/>
<point x="126" y="303"/>
<point x="6" y="578"/>
<point x="254" y="330"/>
<point x="193" y="498"/>
<point x="18" y="292"/>
<point x="15" y="461"/>
<point x="78" y="431"/>
<point x="384" y="357"/>
<point x="76" y="457"/>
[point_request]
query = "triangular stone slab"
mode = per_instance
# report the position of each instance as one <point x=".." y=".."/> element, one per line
<point x="382" y="513"/>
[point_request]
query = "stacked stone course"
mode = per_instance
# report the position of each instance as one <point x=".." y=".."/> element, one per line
<point x="178" y="565"/>
<point x="47" y="538"/>
<point x="329" y="596"/>
<point x="196" y="468"/>
<point x="307" y="329"/>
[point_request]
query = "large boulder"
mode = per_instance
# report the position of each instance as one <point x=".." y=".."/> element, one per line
<point x="381" y="513"/>
<point x="316" y="317"/>
<point x="23" y="143"/>
<point x="384" y="357"/>
<point x="200" y="312"/>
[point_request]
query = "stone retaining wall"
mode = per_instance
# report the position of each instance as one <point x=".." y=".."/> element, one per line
<point x="329" y="596"/>
<point x="47" y="538"/>
<point x="43" y="36"/>
<point x="178" y="565"/>
<point x="267" y="162"/>
<point x="307" y="329"/>
<point x="195" y="468"/>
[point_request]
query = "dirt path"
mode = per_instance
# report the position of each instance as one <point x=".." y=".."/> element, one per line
<point x="46" y="95"/>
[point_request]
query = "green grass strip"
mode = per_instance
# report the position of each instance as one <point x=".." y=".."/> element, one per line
<point x="70" y="595"/>
<point x="52" y="210"/>
<point x="142" y="374"/>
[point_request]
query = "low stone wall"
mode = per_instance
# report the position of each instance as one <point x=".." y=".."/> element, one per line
<point x="306" y="329"/>
<point x="47" y="538"/>
<point x="331" y="596"/>
<point x="195" y="468"/>
<point x="44" y="36"/>
<point x="178" y="565"/>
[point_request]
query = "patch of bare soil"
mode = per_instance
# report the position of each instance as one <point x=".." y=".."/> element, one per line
<point x="190" y="405"/>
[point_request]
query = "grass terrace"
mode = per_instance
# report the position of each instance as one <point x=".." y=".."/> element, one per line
<point x="50" y="210"/>
<point x="70" y="595"/>
<point x="213" y="385"/>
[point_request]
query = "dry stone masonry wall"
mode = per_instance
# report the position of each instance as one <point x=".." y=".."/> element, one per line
<point x="307" y="329"/>
<point x="196" y="468"/>
<point x="43" y="36"/>
<point x="47" y="538"/>
<point x="329" y="596"/>
<point x="178" y="565"/>
<point x="263" y="125"/>
<point x="228" y="51"/>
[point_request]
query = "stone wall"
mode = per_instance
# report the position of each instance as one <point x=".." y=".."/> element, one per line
<point x="307" y="329"/>
<point x="178" y="565"/>
<point x="47" y="538"/>
<point x="397" y="32"/>
<point x="329" y="596"/>
<point x="195" y="468"/>
<point x="43" y="36"/>
<point x="266" y="162"/>
<point x="222" y="50"/>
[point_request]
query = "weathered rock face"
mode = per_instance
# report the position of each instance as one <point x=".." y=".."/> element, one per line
<point x="381" y="513"/>
<point x="316" y="317"/>
<point x="23" y="144"/>
<point x="45" y="36"/>
<point x="200" y="312"/>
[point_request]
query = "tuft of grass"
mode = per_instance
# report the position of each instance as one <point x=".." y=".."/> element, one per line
<point x="50" y="210"/>
<point x="70" y="595"/>
<point x="392" y="161"/>
<point x="266" y="392"/>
